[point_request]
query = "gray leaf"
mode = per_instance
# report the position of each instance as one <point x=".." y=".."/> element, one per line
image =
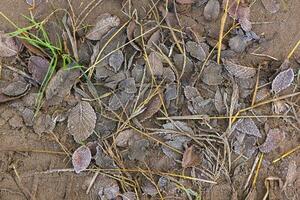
<point x="239" y="71"/>
<point x="283" y="80"/>
<point x="274" y="138"/>
<point x="248" y="127"/>
<point x="195" y="50"/>
<point x="116" y="60"/>
<point x="8" y="46"/>
<point x="211" y="10"/>
<point x="105" y="23"/>
<point x="81" y="121"/>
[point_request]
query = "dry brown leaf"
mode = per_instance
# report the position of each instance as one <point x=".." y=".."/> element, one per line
<point x="212" y="10"/>
<point x="81" y="121"/>
<point x="81" y="158"/>
<point x="189" y="158"/>
<point x="105" y="23"/>
<point x="123" y="137"/>
<point x="274" y="138"/>
<point x="8" y="46"/>
<point x="272" y="6"/>
<point x="155" y="64"/>
<point x="38" y="67"/>
<point x="239" y="71"/>
<point x="60" y="85"/>
<point x="152" y="108"/>
<point x="283" y="80"/>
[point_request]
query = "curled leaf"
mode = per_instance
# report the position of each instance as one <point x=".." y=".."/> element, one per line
<point x="274" y="137"/>
<point x="283" y="80"/>
<point x="239" y="71"/>
<point x="81" y="158"/>
<point x="81" y="121"/>
<point x="105" y="23"/>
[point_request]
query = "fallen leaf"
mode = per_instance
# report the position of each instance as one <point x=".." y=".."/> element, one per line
<point x="105" y="126"/>
<point x="156" y="64"/>
<point x="179" y="63"/>
<point x="195" y="50"/>
<point x="38" y="67"/>
<point x="128" y="85"/>
<point x="148" y="187"/>
<point x="189" y="158"/>
<point x="103" y="160"/>
<point x="154" y="39"/>
<point x="170" y="93"/>
<point x="291" y="175"/>
<point x="237" y="44"/>
<point x="123" y="138"/>
<point x="81" y="159"/>
<point x="8" y="46"/>
<point x="219" y="102"/>
<point x="60" y="85"/>
<point x="212" y="74"/>
<point x="151" y="108"/>
<point x="105" y="23"/>
<point x="16" y="88"/>
<point x="212" y="10"/>
<point x="138" y="150"/>
<point x="43" y="123"/>
<point x="168" y="74"/>
<point x="116" y="60"/>
<point x="81" y="121"/>
<point x="185" y="1"/>
<point x="272" y="6"/>
<point x="191" y="92"/>
<point x="119" y="99"/>
<point x="130" y="34"/>
<point x="248" y="127"/>
<point x="274" y="138"/>
<point x="239" y="71"/>
<point x="178" y="126"/>
<point x="33" y="2"/>
<point x="283" y="80"/>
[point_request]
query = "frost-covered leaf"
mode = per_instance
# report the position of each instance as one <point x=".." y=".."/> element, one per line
<point x="239" y="71"/>
<point x="212" y="10"/>
<point x="219" y="102"/>
<point x="60" y="85"/>
<point x="138" y="150"/>
<point x="119" y="99"/>
<point x="283" y="80"/>
<point x="103" y="160"/>
<point x="274" y="138"/>
<point x="43" y="124"/>
<point x="154" y="39"/>
<point x="8" y="46"/>
<point x="156" y="64"/>
<point x="151" y="108"/>
<point x="248" y="127"/>
<point x="272" y="6"/>
<point x="238" y="44"/>
<point x="104" y="126"/>
<point x="124" y="137"/>
<point x="81" y="159"/>
<point x="191" y="92"/>
<point x="81" y="121"/>
<point x="182" y="64"/>
<point x="16" y="88"/>
<point x="176" y="144"/>
<point x="38" y="67"/>
<point x="195" y="50"/>
<point x="128" y="85"/>
<point x="178" y="126"/>
<point x="116" y="60"/>
<point x="170" y="93"/>
<point x="105" y="23"/>
<point x="212" y="74"/>
<point x="168" y="74"/>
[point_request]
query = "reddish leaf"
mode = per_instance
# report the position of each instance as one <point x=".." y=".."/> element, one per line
<point x="81" y="159"/>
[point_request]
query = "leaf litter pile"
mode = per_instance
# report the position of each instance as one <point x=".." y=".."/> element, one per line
<point x="148" y="103"/>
